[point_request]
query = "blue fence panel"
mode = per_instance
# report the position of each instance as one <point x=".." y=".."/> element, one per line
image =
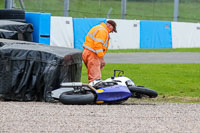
<point x="81" y="27"/>
<point x="155" y="34"/>
<point x="41" y="26"/>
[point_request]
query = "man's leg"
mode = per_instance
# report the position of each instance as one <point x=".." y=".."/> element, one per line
<point x="92" y="63"/>
<point x="94" y="71"/>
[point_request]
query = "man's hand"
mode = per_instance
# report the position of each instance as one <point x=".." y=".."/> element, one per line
<point x="102" y="62"/>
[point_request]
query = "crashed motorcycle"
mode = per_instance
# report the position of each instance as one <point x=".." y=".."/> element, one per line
<point x="114" y="90"/>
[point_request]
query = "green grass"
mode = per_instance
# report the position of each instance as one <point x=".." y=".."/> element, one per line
<point x="171" y="81"/>
<point x="55" y="7"/>
<point x="152" y="10"/>
<point x="154" y="50"/>
<point x="2" y="5"/>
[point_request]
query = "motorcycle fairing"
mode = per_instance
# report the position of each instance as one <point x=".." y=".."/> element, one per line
<point x="113" y="94"/>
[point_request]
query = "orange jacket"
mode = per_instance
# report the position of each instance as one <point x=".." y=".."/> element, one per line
<point x="97" y="40"/>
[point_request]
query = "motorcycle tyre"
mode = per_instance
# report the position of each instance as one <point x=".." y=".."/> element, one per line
<point x="143" y="91"/>
<point x="77" y="99"/>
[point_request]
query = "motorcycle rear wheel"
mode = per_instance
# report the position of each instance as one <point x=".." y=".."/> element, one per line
<point x="139" y="91"/>
<point x="77" y="99"/>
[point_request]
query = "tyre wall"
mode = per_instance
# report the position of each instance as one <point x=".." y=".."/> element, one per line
<point x="30" y="71"/>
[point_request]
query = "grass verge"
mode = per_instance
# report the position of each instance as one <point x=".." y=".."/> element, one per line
<point x="173" y="82"/>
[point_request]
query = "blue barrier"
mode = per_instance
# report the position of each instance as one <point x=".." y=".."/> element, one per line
<point x="81" y="27"/>
<point x="41" y="26"/>
<point x="155" y="34"/>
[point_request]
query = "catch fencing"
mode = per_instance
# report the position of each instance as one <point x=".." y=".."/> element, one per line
<point x="111" y="9"/>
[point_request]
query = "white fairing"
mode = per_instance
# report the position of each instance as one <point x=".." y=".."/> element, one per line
<point x="121" y="81"/>
<point x="95" y="82"/>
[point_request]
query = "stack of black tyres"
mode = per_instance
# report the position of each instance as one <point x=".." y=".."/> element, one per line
<point x="31" y="71"/>
<point x="12" y="14"/>
<point x="13" y="25"/>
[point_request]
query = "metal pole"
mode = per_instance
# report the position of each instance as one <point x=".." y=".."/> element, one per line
<point x="123" y="9"/>
<point x="66" y="8"/>
<point x="8" y="4"/>
<point x="176" y="5"/>
<point x="22" y="4"/>
<point x="109" y="12"/>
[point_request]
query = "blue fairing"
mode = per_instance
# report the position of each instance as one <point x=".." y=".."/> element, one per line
<point x="113" y="94"/>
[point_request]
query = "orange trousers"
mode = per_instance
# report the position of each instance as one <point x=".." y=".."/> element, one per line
<point x="94" y="64"/>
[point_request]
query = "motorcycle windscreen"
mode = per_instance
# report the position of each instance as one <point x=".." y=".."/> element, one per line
<point x="113" y="94"/>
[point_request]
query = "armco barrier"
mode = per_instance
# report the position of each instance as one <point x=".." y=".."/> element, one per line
<point x="81" y="27"/>
<point x="146" y="34"/>
<point x="155" y="34"/>
<point x="62" y="33"/>
<point x="41" y="26"/>
<point x="127" y="36"/>
<point x="185" y="35"/>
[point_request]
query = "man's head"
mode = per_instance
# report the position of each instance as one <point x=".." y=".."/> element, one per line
<point x="111" y="25"/>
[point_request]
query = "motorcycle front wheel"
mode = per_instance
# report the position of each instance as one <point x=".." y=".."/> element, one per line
<point x="138" y="92"/>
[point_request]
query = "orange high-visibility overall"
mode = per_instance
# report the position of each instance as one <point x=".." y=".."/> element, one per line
<point x="95" y="47"/>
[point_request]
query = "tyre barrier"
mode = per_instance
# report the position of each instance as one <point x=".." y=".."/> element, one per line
<point x="13" y="14"/>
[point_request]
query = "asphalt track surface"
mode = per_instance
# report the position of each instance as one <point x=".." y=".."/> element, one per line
<point x="153" y="58"/>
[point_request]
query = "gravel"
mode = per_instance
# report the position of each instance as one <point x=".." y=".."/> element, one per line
<point x="125" y="118"/>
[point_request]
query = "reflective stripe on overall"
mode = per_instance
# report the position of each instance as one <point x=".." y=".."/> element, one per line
<point x="96" y="39"/>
